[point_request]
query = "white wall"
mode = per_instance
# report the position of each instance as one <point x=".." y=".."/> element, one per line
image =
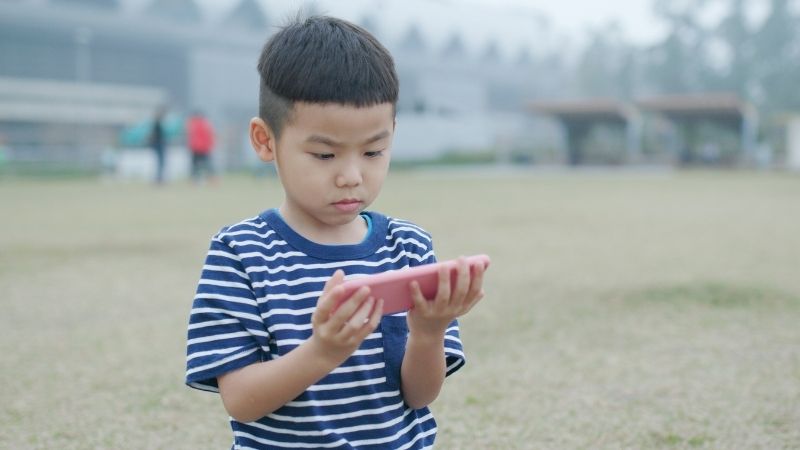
<point x="793" y="144"/>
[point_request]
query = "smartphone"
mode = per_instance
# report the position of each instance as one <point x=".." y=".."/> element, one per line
<point x="393" y="287"/>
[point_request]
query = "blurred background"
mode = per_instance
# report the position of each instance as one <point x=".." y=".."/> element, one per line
<point x="634" y="83"/>
<point x="630" y="166"/>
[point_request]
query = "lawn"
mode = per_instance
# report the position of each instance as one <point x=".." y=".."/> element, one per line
<point x="623" y="310"/>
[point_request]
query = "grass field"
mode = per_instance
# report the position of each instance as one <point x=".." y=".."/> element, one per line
<point x="636" y="311"/>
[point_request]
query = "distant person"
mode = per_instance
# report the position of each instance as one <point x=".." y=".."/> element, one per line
<point x="293" y="370"/>
<point x="200" y="140"/>
<point x="158" y="142"/>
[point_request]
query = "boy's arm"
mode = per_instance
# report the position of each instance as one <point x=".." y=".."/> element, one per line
<point x="256" y="390"/>
<point x="423" y="370"/>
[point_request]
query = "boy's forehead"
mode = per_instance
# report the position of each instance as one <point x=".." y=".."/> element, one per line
<point x="338" y="108"/>
<point x="304" y="114"/>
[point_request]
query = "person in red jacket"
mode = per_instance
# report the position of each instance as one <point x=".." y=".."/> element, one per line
<point x="200" y="140"/>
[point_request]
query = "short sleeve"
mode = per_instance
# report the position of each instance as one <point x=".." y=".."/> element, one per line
<point x="453" y="349"/>
<point x="226" y="331"/>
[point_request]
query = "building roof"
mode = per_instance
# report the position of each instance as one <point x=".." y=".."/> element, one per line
<point x="706" y="104"/>
<point x="586" y="109"/>
<point x="27" y="100"/>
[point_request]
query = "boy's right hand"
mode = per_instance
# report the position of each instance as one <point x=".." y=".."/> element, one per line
<point x="339" y="331"/>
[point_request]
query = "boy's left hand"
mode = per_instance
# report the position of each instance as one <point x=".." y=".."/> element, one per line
<point x="433" y="316"/>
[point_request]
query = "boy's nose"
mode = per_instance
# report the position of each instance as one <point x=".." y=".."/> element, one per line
<point x="349" y="176"/>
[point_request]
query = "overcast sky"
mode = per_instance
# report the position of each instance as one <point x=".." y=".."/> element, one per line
<point x="513" y="23"/>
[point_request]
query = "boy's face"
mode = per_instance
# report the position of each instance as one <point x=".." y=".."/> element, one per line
<point x="332" y="160"/>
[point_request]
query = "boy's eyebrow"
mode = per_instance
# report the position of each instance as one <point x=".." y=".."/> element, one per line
<point x="316" y="138"/>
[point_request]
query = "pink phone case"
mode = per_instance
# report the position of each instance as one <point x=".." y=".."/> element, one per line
<point x="393" y="287"/>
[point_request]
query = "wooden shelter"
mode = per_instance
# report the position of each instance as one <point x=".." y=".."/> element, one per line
<point x="579" y="117"/>
<point x="687" y="112"/>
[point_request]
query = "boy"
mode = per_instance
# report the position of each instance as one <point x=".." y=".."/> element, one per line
<point x="297" y="365"/>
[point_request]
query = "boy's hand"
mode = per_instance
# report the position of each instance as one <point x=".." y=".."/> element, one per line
<point x="431" y="317"/>
<point x="338" y="332"/>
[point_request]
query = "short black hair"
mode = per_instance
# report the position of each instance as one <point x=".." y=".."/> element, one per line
<point x="323" y="59"/>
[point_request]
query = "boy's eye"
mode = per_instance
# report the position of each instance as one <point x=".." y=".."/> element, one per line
<point x="374" y="154"/>
<point x="323" y="155"/>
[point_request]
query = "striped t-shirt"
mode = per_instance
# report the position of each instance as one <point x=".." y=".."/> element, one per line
<point x="260" y="284"/>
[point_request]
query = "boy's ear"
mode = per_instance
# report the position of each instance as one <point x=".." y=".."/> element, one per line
<point x="262" y="139"/>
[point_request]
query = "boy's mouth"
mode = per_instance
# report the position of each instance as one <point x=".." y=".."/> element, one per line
<point x="348" y="205"/>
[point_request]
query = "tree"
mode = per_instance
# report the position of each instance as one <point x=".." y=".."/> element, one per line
<point x="680" y="63"/>
<point x="777" y="52"/>
<point x="737" y="39"/>
<point x="606" y="67"/>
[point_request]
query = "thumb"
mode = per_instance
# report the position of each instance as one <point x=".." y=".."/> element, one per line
<point x="328" y="300"/>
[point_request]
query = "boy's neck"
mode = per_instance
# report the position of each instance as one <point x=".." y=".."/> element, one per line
<point x="345" y="234"/>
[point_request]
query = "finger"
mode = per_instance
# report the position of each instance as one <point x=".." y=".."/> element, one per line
<point x="377" y="313"/>
<point x="462" y="282"/>
<point x="476" y="282"/>
<point x="348" y="308"/>
<point x="359" y="318"/>
<point x="468" y="307"/>
<point x="372" y="321"/>
<point x="443" y="290"/>
<point x="418" y="299"/>
<point x="327" y="302"/>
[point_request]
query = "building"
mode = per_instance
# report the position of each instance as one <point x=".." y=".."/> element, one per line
<point x="75" y="73"/>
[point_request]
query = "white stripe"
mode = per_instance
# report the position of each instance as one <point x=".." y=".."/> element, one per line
<point x="454" y="352"/>
<point x="203" y="387"/>
<point x="212" y="323"/>
<point x="241" y="447"/>
<point x="303" y="296"/>
<point x="360" y="368"/>
<point x="219" y="337"/>
<point x="330" y="417"/>
<point x="343" y="430"/>
<point x="448" y="337"/>
<point x="232" y="256"/>
<point x="288" y="444"/>
<point x="399" y="241"/>
<point x="288" y="312"/>
<point x="418" y="437"/>
<point x="226" y="312"/>
<point x="456" y="363"/>
<point x="296" y="342"/>
<point x="225" y="269"/>
<point x="228" y="298"/>
<point x="398" y="434"/>
<point x="231" y="284"/>
<point x="344" y="401"/>
<point x="405" y="223"/>
<point x="290" y="326"/>
<point x="220" y="362"/>
<point x="257" y="243"/>
<point x="247" y="232"/>
<point x="272" y="257"/>
<point x="338" y="264"/>
<point x="221" y="351"/>
<point x="414" y="230"/>
<point x="288" y="282"/>
<point x="351" y="384"/>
